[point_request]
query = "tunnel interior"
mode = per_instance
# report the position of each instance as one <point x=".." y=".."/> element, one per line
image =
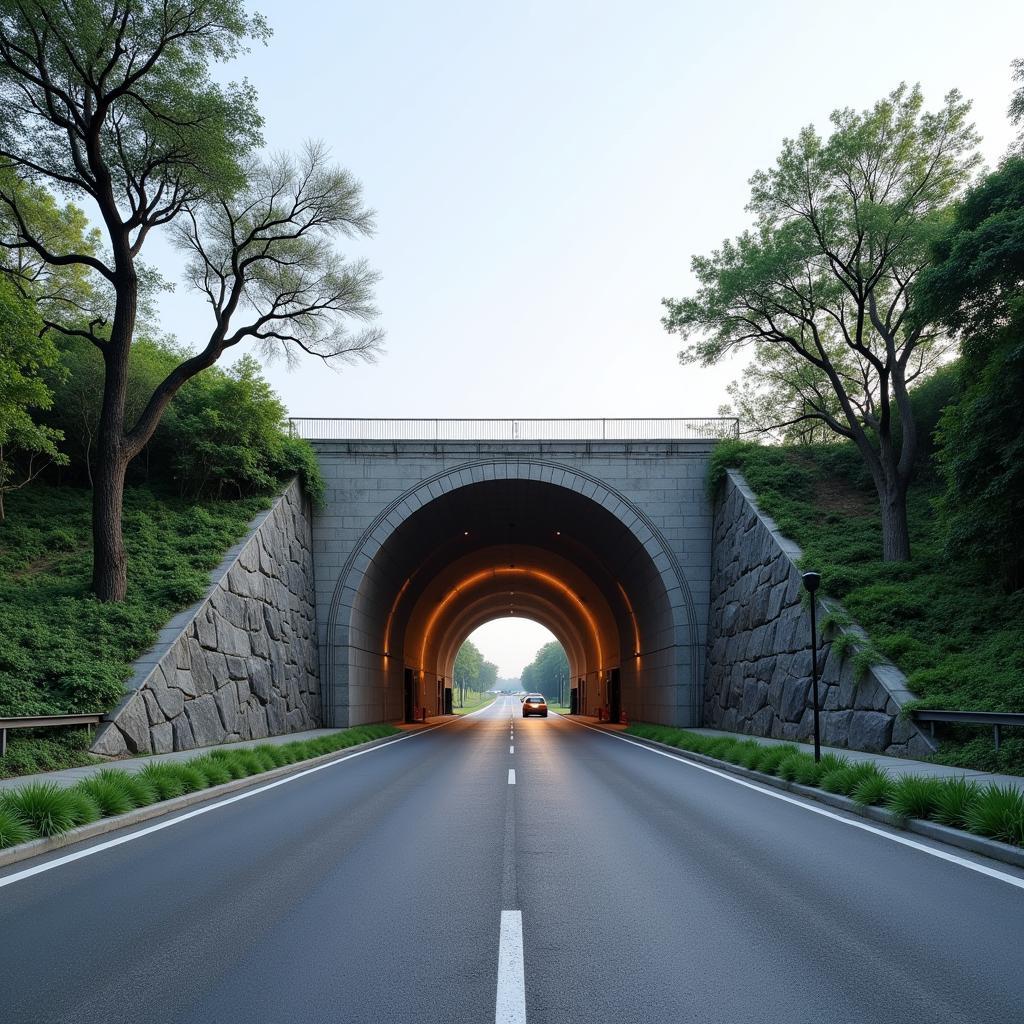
<point x="508" y="547"/>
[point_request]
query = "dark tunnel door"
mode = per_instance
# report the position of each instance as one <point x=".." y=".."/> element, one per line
<point x="410" y="694"/>
<point x="614" y="695"/>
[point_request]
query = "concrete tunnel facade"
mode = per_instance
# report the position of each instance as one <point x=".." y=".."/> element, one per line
<point x="607" y="544"/>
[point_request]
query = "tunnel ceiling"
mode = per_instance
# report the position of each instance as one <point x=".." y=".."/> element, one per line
<point x="537" y="549"/>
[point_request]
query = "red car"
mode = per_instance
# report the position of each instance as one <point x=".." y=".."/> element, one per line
<point x="535" y="704"/>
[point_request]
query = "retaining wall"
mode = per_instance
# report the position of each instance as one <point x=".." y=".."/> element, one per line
<point x="758" y="668"/>
<point x="242" y="662"/>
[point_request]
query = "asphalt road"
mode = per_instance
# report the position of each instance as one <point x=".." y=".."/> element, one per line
<point x="416" y="883"/>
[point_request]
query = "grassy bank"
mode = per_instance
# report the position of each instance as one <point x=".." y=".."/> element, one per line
<point x="473" y="702"/>
<point x="44" y="809"/>
<point x="996" y="812"/>
<point x="62" y="651"/>
<point x="944" y="622"/>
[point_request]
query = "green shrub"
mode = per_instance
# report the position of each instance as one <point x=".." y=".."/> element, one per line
<point x="774" y="756"/>
<point x="954" y="802"/>
<point x="791" y="765"/>
<point x="998" y="812"/>
<point x="845" y="779"/>
<point x="192" y="778"/>
<point x="14" y="830"/>
<point x="109" y="791"/>
<point x="231" y="761"/>
<point x="914" y="796"/>
<point x="214" y="770"/>
<point x="139" y="788"/>
<point x="86" y="810"/>
<point x="264" y="753"/>
<point x="873" y="789"/>
<point x="47" y="809"/>
<point x="165" y="778"/>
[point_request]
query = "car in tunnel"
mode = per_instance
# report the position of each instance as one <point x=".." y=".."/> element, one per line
<point x="535" y="704"/>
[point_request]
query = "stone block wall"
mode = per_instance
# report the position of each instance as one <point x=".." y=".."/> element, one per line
<point x="242" y="662"/>
<point x="758" y="668"/>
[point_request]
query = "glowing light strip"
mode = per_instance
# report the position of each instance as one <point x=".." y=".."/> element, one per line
<point x="492" y="573"/>
<point x="636" y="628"/>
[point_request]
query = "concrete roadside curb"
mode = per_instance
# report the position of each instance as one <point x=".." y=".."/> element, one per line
<point x="38" y="847"/>
<point x="1003" y="852"/>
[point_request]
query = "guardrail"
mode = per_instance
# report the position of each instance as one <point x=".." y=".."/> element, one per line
<point x="42" y="722"/>
<point x="995" y="719"/>
<point x="327" y="428"/>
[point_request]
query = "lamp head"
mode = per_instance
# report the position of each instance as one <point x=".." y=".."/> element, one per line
<point x="811" y="581"/>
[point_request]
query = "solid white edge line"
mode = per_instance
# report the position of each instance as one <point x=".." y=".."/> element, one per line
<point x="510" y="1002"/>
<point x="952" y="858"/>
<point x="204" y="809"/>
<point x="511" y="776"/>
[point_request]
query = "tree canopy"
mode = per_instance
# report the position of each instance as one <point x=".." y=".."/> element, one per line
<point x="820" y="286"/>
<point x="115" y="103"/>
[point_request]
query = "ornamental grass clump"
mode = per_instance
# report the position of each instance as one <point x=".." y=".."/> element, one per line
<point x="845" y="780"/>
<point x="231" y="761"/>
<point x="998" y="812"/>
<point x="914" y="796"/>
<point x="213" y="768"/>
<point x="953" y="802"/>
<point x="13" y="828"/>
<point x="773" y="757"/>
<point x="164" y="778"/>
<point x="873" y="789"/>
<point x="86" y="809"/>
<point x="192" y="778"/>
<point x="107" y="788"/>
<point x="47" y="809"/>
<point x="138" y="787"/>
<point x="790" y="767"/>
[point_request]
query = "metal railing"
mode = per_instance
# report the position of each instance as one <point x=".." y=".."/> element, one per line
<point x="42" y="722"/>
<point x="994" y="719"/>
<point x="707" y="428"/>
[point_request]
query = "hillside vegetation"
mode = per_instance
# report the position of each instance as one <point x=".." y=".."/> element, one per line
<point x="945" y="621"/>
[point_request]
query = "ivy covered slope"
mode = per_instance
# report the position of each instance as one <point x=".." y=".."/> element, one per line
<point x="61" y="650"/>
<point x="946" y="622"/>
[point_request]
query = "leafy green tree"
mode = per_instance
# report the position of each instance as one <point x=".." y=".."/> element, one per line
<point x="820" y="286"/>
<point x="976" y="288"/>
<point x="468" y="665"/>
<point x="114" y="102"/>
<point x="548" y="673"/>
<point x="26" y="447"/>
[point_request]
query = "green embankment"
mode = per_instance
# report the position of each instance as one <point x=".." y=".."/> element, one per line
<point x="944" y="622"/>
<point x="44" y="809"/>
<point x="473" y="701"/>
<point x="62" y="651"/>
<point x="993" y="811"/>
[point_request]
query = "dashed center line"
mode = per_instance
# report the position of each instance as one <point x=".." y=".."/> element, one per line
<point x="512" y="750"/>
<point x="511" y="776"/>
<point x="510" y="1006"/>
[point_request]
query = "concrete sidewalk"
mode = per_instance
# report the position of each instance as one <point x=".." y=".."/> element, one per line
<point x="69" y="776"/>
<point x="894" y="766"/>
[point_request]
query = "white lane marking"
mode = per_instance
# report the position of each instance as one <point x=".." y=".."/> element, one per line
<point x="512" y="750"/>
<point x="511" y="776"/>
<point x="971" y="865"/>
<point x="510" y="1005"/>
<point x="205" y="809"/>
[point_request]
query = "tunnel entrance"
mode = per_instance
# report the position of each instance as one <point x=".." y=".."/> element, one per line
<point x="457" y="552"/>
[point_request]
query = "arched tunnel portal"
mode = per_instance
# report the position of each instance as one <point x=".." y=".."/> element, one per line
<point x="464" y="548"/>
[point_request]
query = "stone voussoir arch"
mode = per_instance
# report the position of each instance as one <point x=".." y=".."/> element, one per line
<point x="403" y="506"/>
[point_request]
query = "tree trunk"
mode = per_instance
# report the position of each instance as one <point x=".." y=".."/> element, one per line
<point x="895" y="532"/>
<point x="109" y="560"/>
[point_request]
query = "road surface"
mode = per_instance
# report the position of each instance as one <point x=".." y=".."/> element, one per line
<point x="496" y="869"/>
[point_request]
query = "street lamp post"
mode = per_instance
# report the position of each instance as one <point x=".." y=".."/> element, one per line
<point x="812" y="581"/>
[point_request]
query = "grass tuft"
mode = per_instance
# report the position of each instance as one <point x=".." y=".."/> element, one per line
<point x="873" y="789"/>
<point x="998" y="812"/>
<point x="914" y="796"/>
<point x="14" y="830"/>
<point x="108" y="790"/>
<point x="165" y="778"/>
<point x="954" y="802"/>
<point x="47" y="809"/>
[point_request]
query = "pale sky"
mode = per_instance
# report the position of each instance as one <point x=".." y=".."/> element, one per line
<point x="543" y="172"/>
